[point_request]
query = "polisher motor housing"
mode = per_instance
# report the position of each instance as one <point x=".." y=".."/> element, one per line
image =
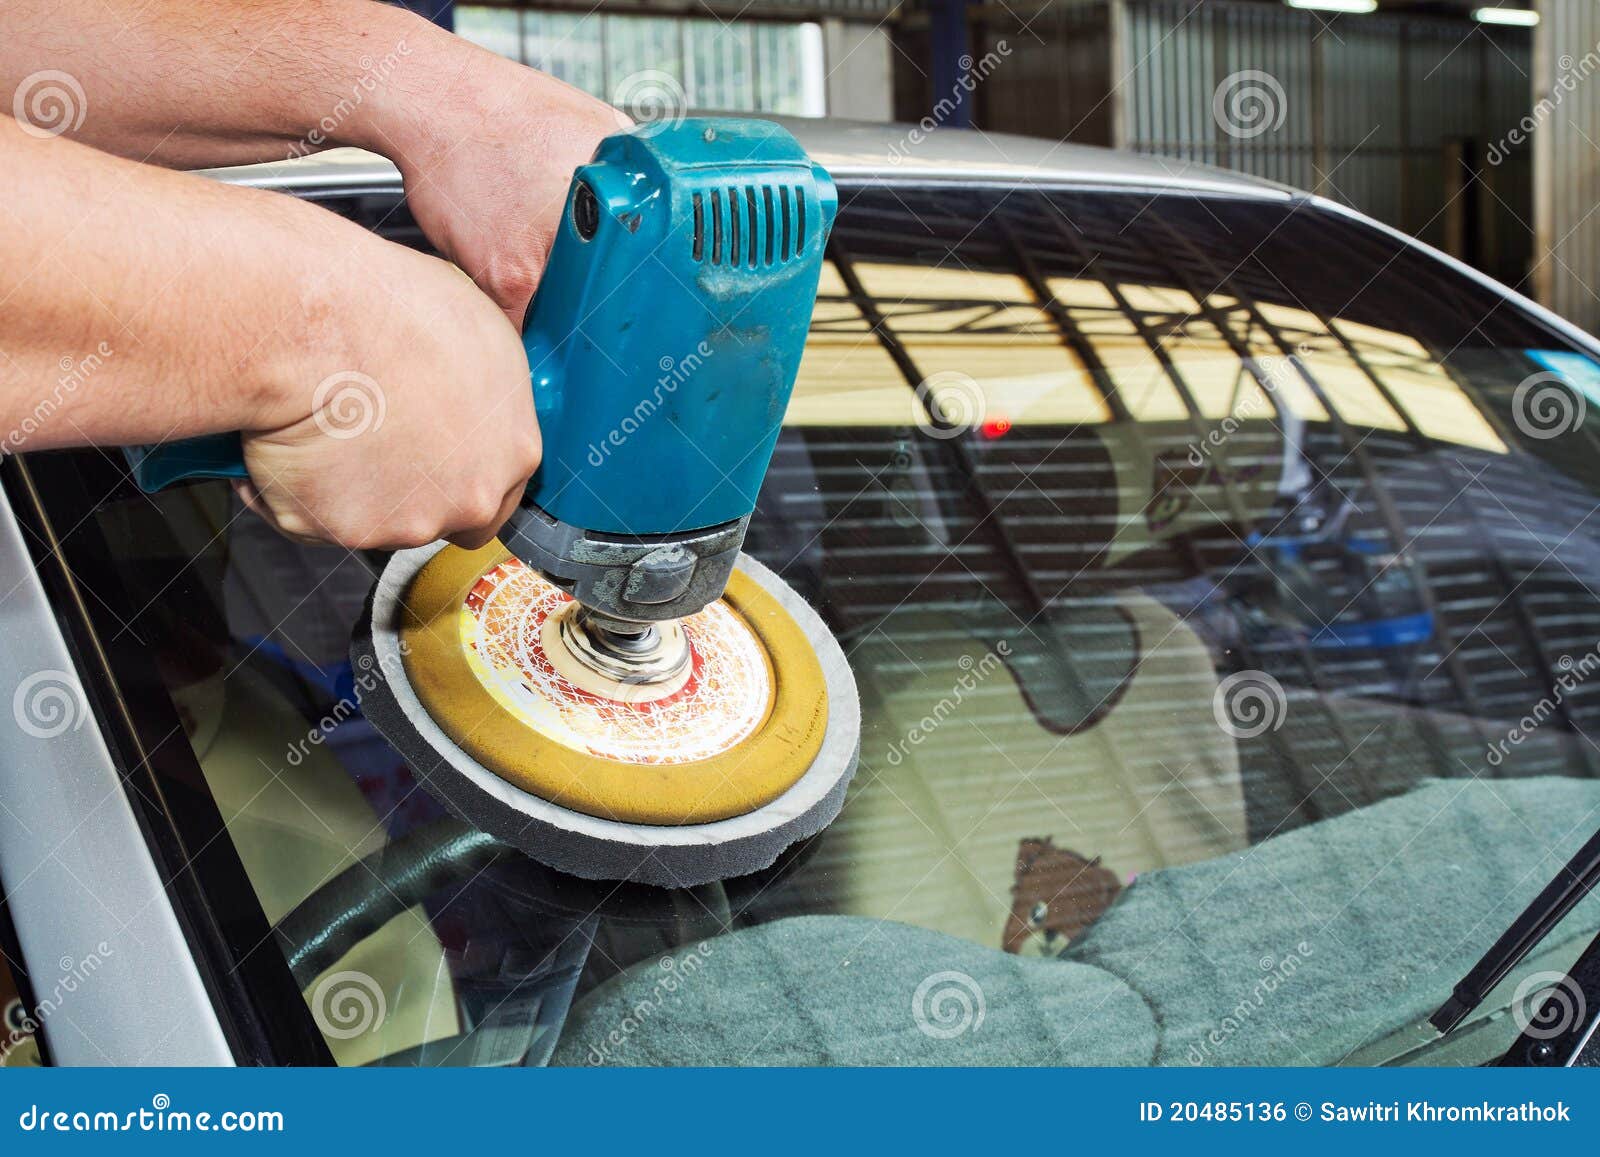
<point x="664" y="343"/>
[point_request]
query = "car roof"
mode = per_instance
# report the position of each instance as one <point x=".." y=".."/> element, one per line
<point x="866" y="149"/>
<point x="859" y="150"/>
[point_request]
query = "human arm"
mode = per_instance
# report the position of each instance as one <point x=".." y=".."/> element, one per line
<point x="486" y="146"/>
<point x="143" y="305"/>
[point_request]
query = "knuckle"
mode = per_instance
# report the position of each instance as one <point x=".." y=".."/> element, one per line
<point x="530" y="452"/>
<point x="511" y="282"/>
<point x="480" y="507"/>
<point x="350" y="533"/>
<point x="293" y="522"/>
<point x="408" y="531"/>
<point x="422" y="531"/>
<point x="407" y="538"/>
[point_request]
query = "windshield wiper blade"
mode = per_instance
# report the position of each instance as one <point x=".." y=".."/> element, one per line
<point x="1571" y="884"/>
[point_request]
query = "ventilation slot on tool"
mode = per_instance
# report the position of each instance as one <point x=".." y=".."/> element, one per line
<point x="716" y="227"/>
<point x="750" y="225"/>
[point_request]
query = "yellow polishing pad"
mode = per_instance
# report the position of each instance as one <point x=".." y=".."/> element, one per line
<point x="741" y="730"/>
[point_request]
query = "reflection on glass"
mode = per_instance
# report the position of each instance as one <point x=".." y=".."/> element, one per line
<point x="846" y="376"/>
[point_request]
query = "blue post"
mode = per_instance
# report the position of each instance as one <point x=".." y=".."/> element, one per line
<point x="950" y="46"/>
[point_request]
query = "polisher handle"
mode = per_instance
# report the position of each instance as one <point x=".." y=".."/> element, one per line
<point x="208" y="456"/>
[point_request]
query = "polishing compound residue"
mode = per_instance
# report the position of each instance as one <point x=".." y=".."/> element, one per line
<point x="726" y="699"/>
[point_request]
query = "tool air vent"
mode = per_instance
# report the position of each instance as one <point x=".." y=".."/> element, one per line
<point x="749" y="225"/>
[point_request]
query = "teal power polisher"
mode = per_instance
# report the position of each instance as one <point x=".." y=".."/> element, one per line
<point x="663" y="344"/>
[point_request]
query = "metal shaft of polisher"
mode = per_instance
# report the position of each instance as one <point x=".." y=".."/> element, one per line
<point x="631" y="653"/>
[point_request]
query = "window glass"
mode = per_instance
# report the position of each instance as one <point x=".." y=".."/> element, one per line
<point x="497" y="29"/>
<point x="567" y="45"/>
<point x="647" y="64"/>
<point x="719" y="65"/>
<point x="640" y="49"/>
<point x="1219" y="604"/>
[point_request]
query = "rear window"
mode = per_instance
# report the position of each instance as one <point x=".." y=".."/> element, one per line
<point x="1216" y="573"/>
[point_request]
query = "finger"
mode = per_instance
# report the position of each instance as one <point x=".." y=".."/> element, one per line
<point x="483" y="535"/>
<point x="514" y="303"/>
<point x="247" y="493"/>
<point x="257" y="505"/>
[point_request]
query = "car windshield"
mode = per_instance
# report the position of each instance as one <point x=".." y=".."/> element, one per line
<point x="1214" y="573"/>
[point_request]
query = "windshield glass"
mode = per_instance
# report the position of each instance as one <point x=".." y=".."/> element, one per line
<point x="1215" y="575"/>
